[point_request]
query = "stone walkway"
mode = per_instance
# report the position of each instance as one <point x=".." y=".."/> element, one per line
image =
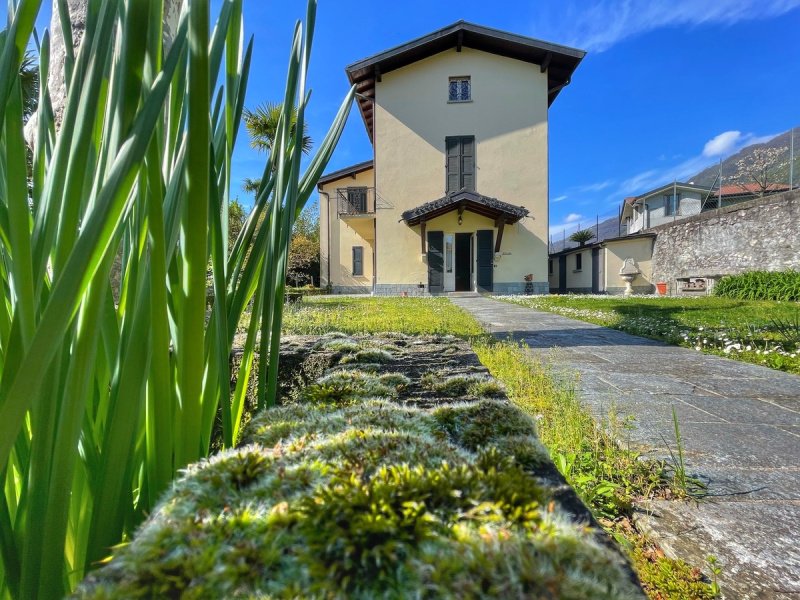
<point x="740" y="425"/>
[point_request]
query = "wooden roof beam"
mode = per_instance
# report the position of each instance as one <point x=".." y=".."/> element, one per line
<point x="546" y="62"/>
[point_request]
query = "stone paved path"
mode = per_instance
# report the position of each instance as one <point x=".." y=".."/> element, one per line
<point x="740" y="425"/>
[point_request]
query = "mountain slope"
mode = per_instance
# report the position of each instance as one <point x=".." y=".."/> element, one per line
<point x="603" y="231"/>
<point x="779" y="173"/>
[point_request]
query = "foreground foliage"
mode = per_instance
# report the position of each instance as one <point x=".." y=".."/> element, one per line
<point x="758" y="332"/>
<point x="108" y="389"/>
<point x="761" y="285"/>
<point x="364" y="498"/>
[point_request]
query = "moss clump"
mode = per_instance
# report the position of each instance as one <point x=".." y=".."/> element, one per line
<point x="346" y="386"/>
<point x="481" y="386"/>
<point x="366" y="500"/>
<point x="369" y="355"/>
<point x="489" y="423"/>
<point x="342" y="346"/>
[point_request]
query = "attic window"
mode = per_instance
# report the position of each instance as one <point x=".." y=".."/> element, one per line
<point x="460" y="89"/>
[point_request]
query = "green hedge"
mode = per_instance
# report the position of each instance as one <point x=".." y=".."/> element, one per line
<point x="760" y="285"/>
<point x="365" y="498"/>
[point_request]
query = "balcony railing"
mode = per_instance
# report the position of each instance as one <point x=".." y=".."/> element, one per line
<point x="356" y="201"/>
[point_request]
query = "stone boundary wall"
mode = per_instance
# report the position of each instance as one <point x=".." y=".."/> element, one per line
<point x="761" y="234"/>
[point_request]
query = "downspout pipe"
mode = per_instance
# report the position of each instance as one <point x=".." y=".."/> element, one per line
<point x="328" y="228"/>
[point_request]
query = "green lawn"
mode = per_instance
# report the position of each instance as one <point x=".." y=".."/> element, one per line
<point x="608" y="476"/>
<point x="413" y="316"/>
<point x="746" y="330"/>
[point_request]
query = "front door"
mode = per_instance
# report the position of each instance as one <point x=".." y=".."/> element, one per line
<point x="562" y="274"/>
<point x="435" y="262"/>
<point x="463" y="262"/>
<point x="595" y="270"/>
<point x="485" y="256"/>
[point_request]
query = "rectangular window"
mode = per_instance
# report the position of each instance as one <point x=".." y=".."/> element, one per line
<point x="356" y="200"/>
<point x="358" y="261"/>
<point x="460" y="163"/>
<point x="460" y="89"/>
<point x="672" y="204"/>
<point x="579" y="261"/>
<point x="550" y="267"/>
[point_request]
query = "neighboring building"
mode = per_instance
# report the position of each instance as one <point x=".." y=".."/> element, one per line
<point x="595" y="268"/>
<point x="665" y="204"/>
<point x="676" y="201"/>
<point x="456" y="196"/>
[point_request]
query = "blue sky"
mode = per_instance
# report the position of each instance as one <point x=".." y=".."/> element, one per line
<point x="667" y="88"/>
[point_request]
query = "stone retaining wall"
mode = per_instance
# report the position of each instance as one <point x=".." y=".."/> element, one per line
<point x="762" y="234"/>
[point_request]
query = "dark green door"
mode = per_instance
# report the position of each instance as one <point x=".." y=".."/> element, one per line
<point x="435" y="262"/>
<point x="463" y="262"/>
<point x="485" y="255"/>
<point x="562" y="274"/>
<point x="595" y="270"/>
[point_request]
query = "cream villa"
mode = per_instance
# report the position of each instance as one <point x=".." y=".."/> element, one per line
<point x="455" y="197"/>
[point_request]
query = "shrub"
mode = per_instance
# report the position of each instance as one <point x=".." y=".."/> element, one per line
<point x="761" y="285"/>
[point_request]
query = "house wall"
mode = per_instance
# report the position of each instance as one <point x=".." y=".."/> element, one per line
<point x="641" y="251"/>
<point x="344" y="234"/>
<point x="580" y="281"/>
<point x="507" y="116"/>
<point x="552" y="278"/>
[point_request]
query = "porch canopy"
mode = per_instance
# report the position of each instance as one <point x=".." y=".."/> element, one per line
<point x="492" y="208"/>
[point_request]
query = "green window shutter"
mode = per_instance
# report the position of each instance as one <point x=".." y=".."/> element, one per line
<point x="453" y="164"/>
<point x="460" y="163"/>
<point x="358" y="261"/>
<point x="468" y="163"/>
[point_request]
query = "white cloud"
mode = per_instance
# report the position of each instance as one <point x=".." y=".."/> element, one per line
<point x="569" y="223"/>
<point x="722" y="144"/>
<point x="559" y="198"/>
<point x="594" y="187"/>
<point x="607" y="22"/>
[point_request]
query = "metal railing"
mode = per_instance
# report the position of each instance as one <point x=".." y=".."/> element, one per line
<point x="355" y="201"/>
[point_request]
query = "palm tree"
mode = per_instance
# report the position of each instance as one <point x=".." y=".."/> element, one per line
<point x="262" y="125"/>
<point x="582" y="236"/>
<point x="29" y="79"/>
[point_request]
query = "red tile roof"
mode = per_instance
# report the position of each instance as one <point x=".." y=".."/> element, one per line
<point x="735" y="189"/>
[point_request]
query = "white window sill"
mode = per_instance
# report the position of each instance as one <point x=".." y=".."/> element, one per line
<point x="459" y="101"/>
<point x="577" y="270"/>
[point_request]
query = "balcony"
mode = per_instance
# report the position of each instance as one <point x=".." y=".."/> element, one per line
<point x="355" y="202"/>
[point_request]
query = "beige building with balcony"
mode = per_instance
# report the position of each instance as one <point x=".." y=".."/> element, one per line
<point x="455" y="197"/>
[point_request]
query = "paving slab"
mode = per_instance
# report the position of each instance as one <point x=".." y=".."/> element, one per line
<point x="740" y="426"/>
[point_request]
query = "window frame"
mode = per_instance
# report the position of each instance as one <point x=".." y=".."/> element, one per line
<point x="459" y="80"/>
<point x="360" y="271"/>
<point x="358" y="193"/>
<point x="672" y="205"/>
<point x="579" y="261"/>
